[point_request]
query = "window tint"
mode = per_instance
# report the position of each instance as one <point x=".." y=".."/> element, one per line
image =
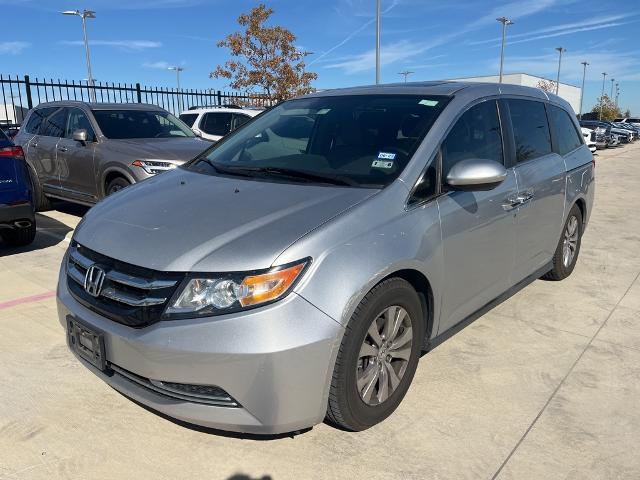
<point x="565" y="132"/>
<point x="476" y="134"/>
<point x="55" y="124"/>
<point x="216" y="123"/>
<point x="633" y="120"/>
<point x="189" y="118"/>
<point x="78" y="120"/>
<point x="36" y="118"/>
<point x="239" y="120"/>
<point x="119" y="124"/>
<point x="530" y="129"/>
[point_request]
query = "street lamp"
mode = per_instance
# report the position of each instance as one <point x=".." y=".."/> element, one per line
<point x="617" y="93"/>
<point x="612" y="82"/>
<point x="84" y="15"/>
<point x="604" y="76"/>
<point x="584" y="74"/>
<point x="504" y="21"/>
<point x="406" y="73"/>
<point x="178" y="70"/>
<point x="560" y="51"/>
<point x="377" y="42"/>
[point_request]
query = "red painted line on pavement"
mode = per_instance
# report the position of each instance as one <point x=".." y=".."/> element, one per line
<point x="30" y="299"/>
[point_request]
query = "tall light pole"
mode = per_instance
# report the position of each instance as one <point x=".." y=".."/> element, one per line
<point x="617" y="93"/>
<point x="504" y="21"/>
<point x="406" y="73"/>
<point x="560" y="51"/>
<point x="584" y="74"/>
<point x="612" y="82"/>
<point x="84" y="15"/>
<point x="377" y="42"/>
<point x="178" y="70"/>
<point x="604" y="76"/>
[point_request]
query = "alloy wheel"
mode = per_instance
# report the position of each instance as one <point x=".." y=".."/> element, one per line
<point x="384" y="355"/>
<point x="570" y="241"/>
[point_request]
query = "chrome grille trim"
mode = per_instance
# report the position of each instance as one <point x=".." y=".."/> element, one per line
<point x="137" y="282"/>
<point x="79" y="259"/>
<point x="128" y="299"/>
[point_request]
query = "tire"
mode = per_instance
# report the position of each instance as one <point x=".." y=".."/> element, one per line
<point x="571" y="235"/>
<point x="40" y="201"/>
<point x="20" y="237"/>
<point x="115" y="185"/>
<point x="353" y="408"/>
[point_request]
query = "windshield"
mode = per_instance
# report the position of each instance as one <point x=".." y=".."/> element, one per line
<point x="120" y="124"/>
<point x="357" y="140"/>
<point x="188" y="118"/>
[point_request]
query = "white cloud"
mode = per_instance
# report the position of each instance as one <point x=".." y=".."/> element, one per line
<point x="389" y="54"/>
<point x="13" y="48"/>
<point x="160" y="65"/>
<point x="134" y="45"/>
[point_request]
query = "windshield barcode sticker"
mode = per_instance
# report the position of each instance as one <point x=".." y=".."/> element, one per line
<point x="386" y="156"/>
<point x="382" y="164"/>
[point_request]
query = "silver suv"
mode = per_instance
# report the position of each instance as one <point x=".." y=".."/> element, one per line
<point x="82" y="152"/>
<point x="298" y="269"/>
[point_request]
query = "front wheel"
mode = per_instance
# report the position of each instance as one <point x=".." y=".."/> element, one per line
<point x="378" y="356"/>
<point x="116" y="185"/>
<point x="566" y="255"/>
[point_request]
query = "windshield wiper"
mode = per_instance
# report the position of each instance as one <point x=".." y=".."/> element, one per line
<point x="292" y="173"/>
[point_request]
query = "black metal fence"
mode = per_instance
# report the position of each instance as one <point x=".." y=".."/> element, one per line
<point x="19" y="94"/>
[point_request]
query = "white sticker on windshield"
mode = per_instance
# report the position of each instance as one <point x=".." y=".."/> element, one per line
<point x="386" y="156"/>
<point x="428" y="103"/>
<point x="382" y="164"/>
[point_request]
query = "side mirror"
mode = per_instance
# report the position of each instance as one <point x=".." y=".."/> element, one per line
<point x="476" y="174"/>
<point x="80" y="135"/>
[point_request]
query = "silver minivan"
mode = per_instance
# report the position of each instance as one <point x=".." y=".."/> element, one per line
<point x="297" y="270"/>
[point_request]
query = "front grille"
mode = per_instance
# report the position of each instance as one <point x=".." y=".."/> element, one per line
<point x="206" y="394"/>
<point x="131" y="295"/>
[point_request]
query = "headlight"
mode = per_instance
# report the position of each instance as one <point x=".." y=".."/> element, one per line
<point x="215" y="295"/>
<point x="153" y="167"/>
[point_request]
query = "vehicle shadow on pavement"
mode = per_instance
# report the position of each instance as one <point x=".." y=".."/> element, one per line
<point x="50" y="232"/>
<point x="220" y="433"/>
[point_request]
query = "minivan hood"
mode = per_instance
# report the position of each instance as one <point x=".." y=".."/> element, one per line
<point x="185" y="221"/>
<point x="175" y="149"/>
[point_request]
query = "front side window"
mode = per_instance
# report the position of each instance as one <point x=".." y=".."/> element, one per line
<point x="216" y="123"/>
<point x="565" y="132"/>
<point x="78" y="120"/>
<point x="189" y="118"/>
<point x="123" y="124"/>
<point x="54" y="125"/>
<point x="476" y="134"/>
<point x="357" y="140"/>
<point x="530" y="129"/>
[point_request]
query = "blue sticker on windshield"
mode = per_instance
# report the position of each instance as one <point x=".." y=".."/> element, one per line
<point x="386" y="156"/>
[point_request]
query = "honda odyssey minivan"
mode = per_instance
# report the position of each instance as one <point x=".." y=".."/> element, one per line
<point x="297" y="269"/>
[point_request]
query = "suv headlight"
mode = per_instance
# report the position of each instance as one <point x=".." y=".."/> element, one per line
<point x="200" y="295"/>
<point x="153" y="167"/>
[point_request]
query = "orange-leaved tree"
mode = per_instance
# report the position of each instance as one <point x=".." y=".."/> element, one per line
<point x="265" y="60"/>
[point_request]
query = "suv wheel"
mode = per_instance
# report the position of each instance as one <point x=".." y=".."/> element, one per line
<point x="378" y="356"/>
<point x="115" y="185"/>
<point x="20" y="237"/>
<point x="40" y="202"/>
<point x="566" y="255"/>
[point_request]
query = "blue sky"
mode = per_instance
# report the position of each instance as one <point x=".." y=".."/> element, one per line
<point x="135" y="40"/>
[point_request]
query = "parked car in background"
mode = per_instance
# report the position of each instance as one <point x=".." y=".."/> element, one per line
<point x="10" y="130"/>
<point x="17" y="215"/>
<point x="213" y="123"/>
<point x="602" y="131"/>
<point x="589" y="138"/>
<point x="345" y="233"/>
<point x="629" y="127"/>
<point x="82" y="152"/>
<point x="634" y="121"/>
<point x="624" y="135"/>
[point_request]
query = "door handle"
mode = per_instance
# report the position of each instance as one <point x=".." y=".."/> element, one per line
<point x="525" y="196"/>
<point x="62" y="149"/>
<point x="511" y="202"/>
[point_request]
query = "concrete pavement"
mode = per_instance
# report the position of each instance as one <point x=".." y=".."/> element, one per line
<point x="547" y="385"/>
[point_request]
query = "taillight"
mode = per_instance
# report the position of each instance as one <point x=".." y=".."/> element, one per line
<point x="12" y="151"/>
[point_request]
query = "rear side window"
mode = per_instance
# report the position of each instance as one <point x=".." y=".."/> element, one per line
<point x="633" y="120"/>
<point x="54" y="125"/>
<point x="239" y="120"/>
<point x="216" y="123"/>
<point x="189" y="118"/>
<point x="565" y="133"/>
<point x="530" y="129"/>
<point x="36" y="118"/>
<point x="476" y="134"/>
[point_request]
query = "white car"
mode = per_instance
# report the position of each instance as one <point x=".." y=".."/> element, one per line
<point x="213" y="123"/>
<point x="589" y="138"/>
<point x="633" y="121"/>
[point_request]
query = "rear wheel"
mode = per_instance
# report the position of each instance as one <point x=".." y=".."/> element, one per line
<point x="378" y="356"/>
<point x="116" y="185"/>
<point x="20" y="237"/>
<point x="566" y="255"/>
<point x="40" y="201"/>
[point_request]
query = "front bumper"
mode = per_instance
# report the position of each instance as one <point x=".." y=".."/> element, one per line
<point x="276" y="362"/>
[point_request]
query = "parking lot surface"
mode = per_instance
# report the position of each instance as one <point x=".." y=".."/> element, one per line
<point x="547" y="385"/>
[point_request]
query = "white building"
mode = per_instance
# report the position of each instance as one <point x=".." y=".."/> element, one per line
<point x="11" y="113"/>
<point x="570" y="93"/>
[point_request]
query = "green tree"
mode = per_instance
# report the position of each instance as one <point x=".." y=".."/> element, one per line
<point x="608" y="109"/>
<point x="264" y="59"/>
